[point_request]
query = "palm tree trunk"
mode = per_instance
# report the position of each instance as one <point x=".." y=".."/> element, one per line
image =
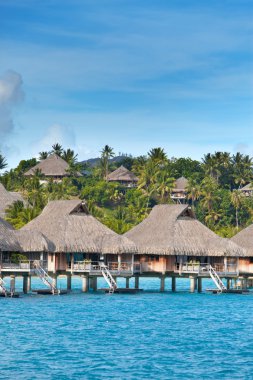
<point x="236" y="218"/>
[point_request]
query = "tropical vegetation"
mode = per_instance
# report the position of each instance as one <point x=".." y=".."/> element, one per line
<point x="213" y="189"/>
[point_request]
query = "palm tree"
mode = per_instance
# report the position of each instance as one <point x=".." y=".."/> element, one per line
<point x="236" y="199"/>
<point x="13" y="211"/>
<point x="164" y="184"/>
<point x="57" y="149"/>
<point x="106" y="154"/>
<point x="212" y="217"/>
<point x="69" y="156"/>
<point x="147" y="180"/>
<point x="209" y="194"/>
<point x="242" y="168"/>
<point x="210" y="165"/>
<point x="193" y="191"/>
<point x="157" y="155"/>
<point x="43" y="155"/>
<point x="3" y="162"/>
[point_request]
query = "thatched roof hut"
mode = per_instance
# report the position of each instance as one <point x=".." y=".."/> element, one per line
<point x="173" y="230"/>
<point x="122" y="174"/>
<point x="180" y="185"/>
<point x="7" y="198"/>
<point x="244" y="239"/>
<point x="53" y="166"/>
<point x="70" y="227"/>
<point x="247" y="190"/>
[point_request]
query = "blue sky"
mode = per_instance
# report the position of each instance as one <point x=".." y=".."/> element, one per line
<point x="134" y="74"/>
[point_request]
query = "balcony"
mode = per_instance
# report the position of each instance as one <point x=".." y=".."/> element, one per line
<point x="21" y="266"/>
<point x="201" y="269"/>
<point x="115" y="268"/>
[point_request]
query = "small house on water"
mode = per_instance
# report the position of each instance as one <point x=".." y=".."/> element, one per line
<point x="170" y="242"/>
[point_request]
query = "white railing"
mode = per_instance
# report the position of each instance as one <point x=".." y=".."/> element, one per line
<point x="203" y="268"/>
<point x="45" y="278"/>
<point x="86" y="266"/>
<point x="119" y="267"/>
<point x="26" y="265"/>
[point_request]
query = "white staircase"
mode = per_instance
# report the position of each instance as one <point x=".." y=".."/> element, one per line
<point x="45" y="278"/>
<point x="108" y="278"/>
<point x="216" y="279"/>
<point x="3" y="287"/>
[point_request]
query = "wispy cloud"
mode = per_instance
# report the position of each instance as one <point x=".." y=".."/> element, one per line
<point x="11" y="93"/>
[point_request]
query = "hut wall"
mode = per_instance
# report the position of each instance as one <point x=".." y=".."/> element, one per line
<point x="61" y="261"/>
<point x="153" y="263"/>
<point x="126" y="258"/>
<point x="246" y="265"/>
<point x="51" y="262"/>
<point x="218" y="263"/>
<point x="170" y="263"/>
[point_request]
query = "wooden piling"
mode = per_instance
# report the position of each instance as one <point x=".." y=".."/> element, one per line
<point x="192" y="284"/>
<point x="162" y="285"/>
<point x="199" y="284"/>
<point x="173" y="284"/>
<point x="85" y="284"/>
<point x="69" y="282"/>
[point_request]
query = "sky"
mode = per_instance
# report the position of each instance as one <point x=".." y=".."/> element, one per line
<point x="133" y="74"/>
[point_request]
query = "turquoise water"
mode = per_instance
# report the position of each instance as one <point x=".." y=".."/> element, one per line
<point x="145" y="336"/>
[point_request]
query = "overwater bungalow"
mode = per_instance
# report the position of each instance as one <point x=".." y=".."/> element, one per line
<point x="171" y="241"/>
<point x="124" y="176"/>
<point x="18" y="251"/>
<point x="179" y="192"/>
<point x="53" y="167"/>
<point x="245" y="240"/>
<point x="80" y="241"/>
<point x="66" y="240"/>
<point x="15" y="244"/>
<point x="7" y="198"/>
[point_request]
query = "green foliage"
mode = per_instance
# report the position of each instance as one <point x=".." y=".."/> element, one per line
<point x="25" y="165"/>
<point x="3" y="162"/>
<point x="18" y="215"/>
<point x="17" y="257"/>
<point x="213" y="189"/>
<point x="103" y="193"/>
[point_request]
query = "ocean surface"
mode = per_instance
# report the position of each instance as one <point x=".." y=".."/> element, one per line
<point x="149" y="335"/>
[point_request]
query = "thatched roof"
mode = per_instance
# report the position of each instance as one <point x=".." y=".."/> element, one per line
<point x="52" y="166"/>
<point x="8" y="240"/>
<point x="173" y="230"/>
<point x="69" y="226"/>
<point x="122" y="174"/>
<point x="244" y="239"/>
<point x="33" y="241"/>
<point x="7" y="198"/>
<point x="247" y="187"/>
<point x="180" y="185"/>
<point x="12" y="240"/>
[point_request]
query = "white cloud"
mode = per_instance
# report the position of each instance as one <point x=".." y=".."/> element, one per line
<point x="56" y="133"/>
<point x="11" y="93"/>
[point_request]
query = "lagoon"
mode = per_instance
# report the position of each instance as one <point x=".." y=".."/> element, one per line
<point x="149" y="335"/>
